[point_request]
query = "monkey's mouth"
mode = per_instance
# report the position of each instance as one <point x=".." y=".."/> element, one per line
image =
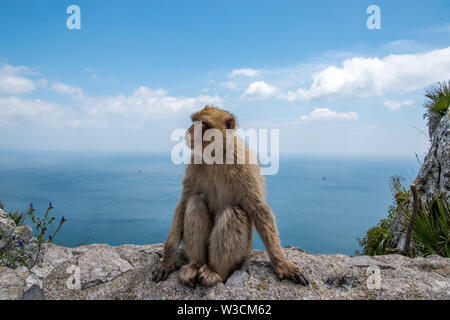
<point x="191" y="141"/>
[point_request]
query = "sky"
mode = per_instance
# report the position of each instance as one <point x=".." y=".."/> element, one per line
<point x="135" y="70"/>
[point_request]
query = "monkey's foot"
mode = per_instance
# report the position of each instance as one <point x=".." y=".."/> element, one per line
<point x="187" y="275"/>
<point x="288" y="270"/>
<point x="162" y="272"/>
<point x="208" y="277"/>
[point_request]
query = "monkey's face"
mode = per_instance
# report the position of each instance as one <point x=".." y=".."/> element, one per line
<point x="195" y="134"/>
<point x="206" y="119"/>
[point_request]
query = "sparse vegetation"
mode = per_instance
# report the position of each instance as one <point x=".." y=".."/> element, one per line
<point x="437" y="98"/>
<point x="12" y="251"/>
<point x="18" y="217"/>
<point x="378" y="240"/>
<point x="430" y="233"/>
<point x="42" y="225"/>
<point x="431" y="229"/>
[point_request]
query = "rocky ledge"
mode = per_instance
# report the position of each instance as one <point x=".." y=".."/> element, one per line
<point x="99" y="271"/>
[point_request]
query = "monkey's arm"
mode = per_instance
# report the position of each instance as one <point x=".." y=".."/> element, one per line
<point x="169" y="262"/>
<point x="264" y="220"/>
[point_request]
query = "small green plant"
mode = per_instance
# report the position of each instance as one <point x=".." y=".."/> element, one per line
<point x="18" y="217"/>
<point x="42" y="225"/>
<point x="13" y="253"/>
<point x="378" y="240"/>
<point x="401" y="197"/>
<point x="437" y="98"/>
<point x="430" y="233"/>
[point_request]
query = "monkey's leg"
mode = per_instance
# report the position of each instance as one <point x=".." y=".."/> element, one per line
<point x="197" y="226"/>
<point x="229" y="243"/>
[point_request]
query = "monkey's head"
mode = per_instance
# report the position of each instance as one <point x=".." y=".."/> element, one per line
<point x="209" y="118"/>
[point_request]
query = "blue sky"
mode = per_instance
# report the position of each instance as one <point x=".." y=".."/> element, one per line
<point x="136" y="69"/>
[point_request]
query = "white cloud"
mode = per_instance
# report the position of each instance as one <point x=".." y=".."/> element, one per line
<point x="146" y="103"/>
<point x="245" y="72"/>
<point x="123" y="110"/>
<point x="17" y="110"/>
<point x="327" y="114"/>
<point x="12" y="80"/>
<point x="259" y="90"/>
<point x="396" y="105"/>
<point x="363" y="77"/>
<point x="62" y="88"/>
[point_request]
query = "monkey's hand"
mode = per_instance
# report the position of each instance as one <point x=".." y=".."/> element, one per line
<point x="288" y="270"/>
<point x="162" y="271"/>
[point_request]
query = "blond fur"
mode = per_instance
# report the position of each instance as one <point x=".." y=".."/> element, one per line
<point x="219" y="206"/>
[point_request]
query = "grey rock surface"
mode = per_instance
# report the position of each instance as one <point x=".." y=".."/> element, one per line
<point x="100" y="271"/>
<point x="433" y="122"/>
<point x="100" y="264"/>
<point x="434" y="174"/>
<point x="7" y="227"/>
<point x="12" y="283"/>
<point x="49" y="257"/>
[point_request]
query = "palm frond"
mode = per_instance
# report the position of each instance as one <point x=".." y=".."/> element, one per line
<point x="431" y="229"/>
<point x="437" y="98"/>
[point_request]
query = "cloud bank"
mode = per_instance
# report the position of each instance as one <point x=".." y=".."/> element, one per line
<point x="13" y="81"/>
<point x="146" y="103"/>
<point x="125" y="109"/>
<point x="364" y="77"/>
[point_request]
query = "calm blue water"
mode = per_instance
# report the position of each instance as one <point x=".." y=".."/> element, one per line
<point x="106" y="199"/>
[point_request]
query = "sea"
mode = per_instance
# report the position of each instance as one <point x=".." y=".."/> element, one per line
<point x="322" y="204"/>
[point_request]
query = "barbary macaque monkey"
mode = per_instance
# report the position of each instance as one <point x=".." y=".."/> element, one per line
<point x="219" y="206"/>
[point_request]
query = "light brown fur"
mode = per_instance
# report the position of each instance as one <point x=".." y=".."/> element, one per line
<point x="219" y="206"/>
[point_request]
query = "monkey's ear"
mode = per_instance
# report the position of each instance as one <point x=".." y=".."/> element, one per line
<point x="230" y="123"/>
